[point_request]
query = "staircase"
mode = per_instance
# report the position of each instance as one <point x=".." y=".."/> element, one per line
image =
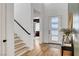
<point x="20" y="46"/>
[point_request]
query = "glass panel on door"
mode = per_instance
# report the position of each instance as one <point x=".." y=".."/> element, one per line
<point x="54" y="28"/>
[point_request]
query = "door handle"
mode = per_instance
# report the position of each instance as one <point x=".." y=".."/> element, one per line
<point x="4" y="41"/>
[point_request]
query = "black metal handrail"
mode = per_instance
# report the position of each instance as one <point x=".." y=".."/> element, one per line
<point x="22" y="27"/>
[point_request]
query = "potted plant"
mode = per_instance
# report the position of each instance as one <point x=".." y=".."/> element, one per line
<point x="67" y="34"/>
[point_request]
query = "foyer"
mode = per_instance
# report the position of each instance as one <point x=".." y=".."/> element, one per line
<point x="39" y="29"/>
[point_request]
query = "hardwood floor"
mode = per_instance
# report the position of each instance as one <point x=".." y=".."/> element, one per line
<point x="46" y="50"/>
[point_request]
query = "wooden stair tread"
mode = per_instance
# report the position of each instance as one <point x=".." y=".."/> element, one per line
<point x="22" y="51"/>
<point x="16" y="37"/>
<point x="19" y="45"/>
<point x="16" y="41"/>
<point x="20" y="48"/>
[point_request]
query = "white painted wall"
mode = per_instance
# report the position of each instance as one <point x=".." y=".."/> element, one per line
<point x="10" y="29"/>
<point x="54" y="9"/>
<point x="23" y="14"/>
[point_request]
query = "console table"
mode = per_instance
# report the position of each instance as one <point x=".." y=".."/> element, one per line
<point x="68" y="47"/>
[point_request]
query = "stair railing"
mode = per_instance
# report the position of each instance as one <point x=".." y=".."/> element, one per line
<point x="22" y="27"/>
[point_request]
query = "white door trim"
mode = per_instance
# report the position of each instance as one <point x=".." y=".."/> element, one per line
<point x="49" y="31"/>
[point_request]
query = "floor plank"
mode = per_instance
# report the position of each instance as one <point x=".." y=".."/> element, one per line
<point x="44" y="50"/>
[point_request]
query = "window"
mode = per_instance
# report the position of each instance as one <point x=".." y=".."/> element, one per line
<point x="76" y="22"/>
<point x="54" y="28"/>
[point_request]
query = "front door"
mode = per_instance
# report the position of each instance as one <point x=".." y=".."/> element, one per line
<point x="54" y="30"/>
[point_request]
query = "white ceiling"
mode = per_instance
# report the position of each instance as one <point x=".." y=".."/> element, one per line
<point x="56" y="8"/>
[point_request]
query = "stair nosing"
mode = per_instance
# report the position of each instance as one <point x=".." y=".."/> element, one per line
<point x="18" y="40"/>
<point x="20" y="48"/>
<point x="18" y="43"/>
<point x="22" y="52"/>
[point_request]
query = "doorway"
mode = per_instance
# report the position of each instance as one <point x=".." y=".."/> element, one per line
<point x="36" y="29"/>
<point x="54" y="30"/>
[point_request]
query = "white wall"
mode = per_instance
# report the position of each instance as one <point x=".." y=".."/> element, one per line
<point x="10" y="29"/>
<point x="23" y="14"/>
<point x="54" y="9"/>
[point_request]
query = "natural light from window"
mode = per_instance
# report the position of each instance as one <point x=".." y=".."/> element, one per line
<point x="76" y="22"/>
<point x="54" y="28"/>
